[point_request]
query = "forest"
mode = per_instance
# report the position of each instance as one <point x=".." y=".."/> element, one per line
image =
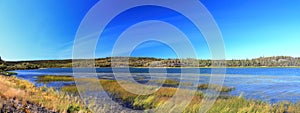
<point x="275" y="61"/>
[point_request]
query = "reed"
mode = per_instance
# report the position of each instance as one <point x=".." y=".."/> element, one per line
<point x="12" y="87"/>
<point x="54" y="78"/>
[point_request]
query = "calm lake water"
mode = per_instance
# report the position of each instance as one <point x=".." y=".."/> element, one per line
<point x="268" y="84"/>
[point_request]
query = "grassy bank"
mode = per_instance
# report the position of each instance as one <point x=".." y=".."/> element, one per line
<point x="24" y="91"/>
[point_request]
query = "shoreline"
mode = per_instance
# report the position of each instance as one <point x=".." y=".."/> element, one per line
<point x="10" y="102"/>
<point x="176" y="67"/>
<point x="15" y="92"/>
<point x="227" y="103"/>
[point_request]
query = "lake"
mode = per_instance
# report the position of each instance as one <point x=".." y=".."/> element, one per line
<point x="267" y="84"/>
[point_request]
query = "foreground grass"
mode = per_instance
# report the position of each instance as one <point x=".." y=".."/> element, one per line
<point x="12" y="87"/>
<point x="222" y="105"/>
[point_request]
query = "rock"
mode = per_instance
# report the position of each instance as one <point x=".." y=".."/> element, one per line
<point x="16" y="106"/>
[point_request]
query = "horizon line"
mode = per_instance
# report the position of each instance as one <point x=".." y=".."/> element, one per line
<point x="132" y="57"/>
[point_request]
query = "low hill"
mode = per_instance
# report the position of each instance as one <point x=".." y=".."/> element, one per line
<point x="275" y="61"/>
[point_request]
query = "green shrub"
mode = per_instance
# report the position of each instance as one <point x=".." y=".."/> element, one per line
<point x="215" y="87"/>
<point x="73" y="108"/>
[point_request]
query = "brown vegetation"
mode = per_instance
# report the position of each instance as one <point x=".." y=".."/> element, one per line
<point x="12" y="87"/>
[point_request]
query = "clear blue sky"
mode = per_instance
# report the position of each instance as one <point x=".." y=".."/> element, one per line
<point x="35" y="29"/>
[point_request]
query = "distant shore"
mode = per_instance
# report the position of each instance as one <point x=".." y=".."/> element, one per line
<point x="214" y="67"/>
<point x="145" y="62"/>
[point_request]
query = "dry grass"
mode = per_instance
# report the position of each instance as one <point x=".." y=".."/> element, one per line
<point x="12" y="87"/>
<point x="222" y="105"/>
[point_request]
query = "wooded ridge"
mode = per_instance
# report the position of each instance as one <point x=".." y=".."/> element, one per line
<point x="275" y="61"/>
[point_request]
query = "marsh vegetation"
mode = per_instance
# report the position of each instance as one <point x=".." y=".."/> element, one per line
<point x="54" y="78"/>
<point x="218" y="88"/>
<point x="230" y="104"/>
<point x="25" y="92"/>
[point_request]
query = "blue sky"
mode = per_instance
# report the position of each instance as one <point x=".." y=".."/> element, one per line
<point x="35" y="29"/>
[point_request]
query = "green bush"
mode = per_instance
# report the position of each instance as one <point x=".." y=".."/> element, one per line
<point x="215" y="87"/>
<point x="73" y="108"/>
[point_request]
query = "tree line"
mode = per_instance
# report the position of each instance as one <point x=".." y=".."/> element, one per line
<point x="275" y="61"/>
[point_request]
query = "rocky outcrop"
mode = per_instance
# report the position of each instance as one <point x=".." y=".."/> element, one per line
<point x="16" y="106"/>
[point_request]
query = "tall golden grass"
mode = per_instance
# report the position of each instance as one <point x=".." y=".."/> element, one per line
<point x="12" y="87"/>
